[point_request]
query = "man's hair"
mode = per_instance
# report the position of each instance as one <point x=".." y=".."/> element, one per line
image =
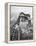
<point x="22" y="13"/>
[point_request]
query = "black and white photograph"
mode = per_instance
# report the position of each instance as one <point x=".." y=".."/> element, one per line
<point x="21" y="23"/>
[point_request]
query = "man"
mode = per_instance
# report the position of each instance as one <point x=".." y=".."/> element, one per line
<point x="22" y="28"/>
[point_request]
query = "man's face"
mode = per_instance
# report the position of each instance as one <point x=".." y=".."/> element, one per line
<point x="23" y="22"/>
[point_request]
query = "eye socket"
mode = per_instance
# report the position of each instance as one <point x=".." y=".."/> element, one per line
<point x="24" y="20"/>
